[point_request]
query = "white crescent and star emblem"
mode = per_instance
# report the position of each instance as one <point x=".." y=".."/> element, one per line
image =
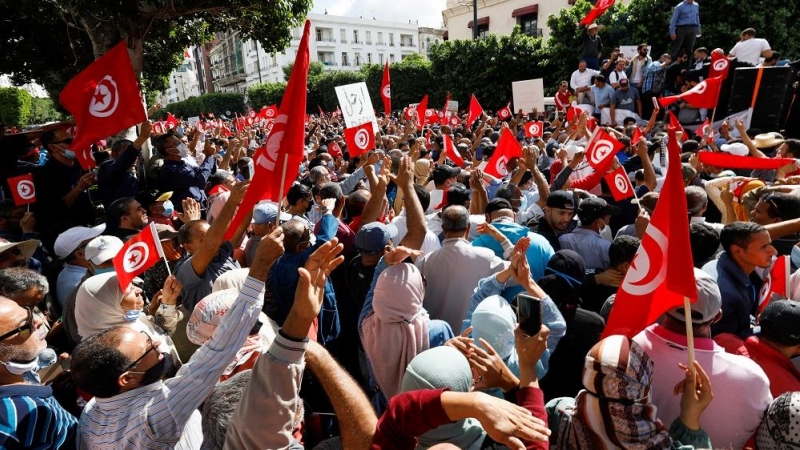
<point x="533" y="129"/>
<point x="601" y="150"/>
<point x="26" y="190"/>
<point x="135" y="257"/>
<point x="765" y="290"/>
<point x="252" y="113"/>
<point x="386" y="91"/>
<point x="454" y="121"/>
<point x="428" y="113"/>
<point x="270" y="113"/>
<point x="503" y="113"/>
<point x="361" y="139"/>
<point x="720" y="64"/>
<point x="648" y="269"/>
<point x="700" y="88"/>
<point x="268" y="158"/>
<point x="500" y="165"/>
<point x="105" y="98"/>
<point x="621" y="183"/>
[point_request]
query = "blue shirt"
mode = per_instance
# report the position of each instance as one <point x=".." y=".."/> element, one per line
<point x="602" y="96"/>
<point x="68" y="280"/>
<point x="186" y="181"/>
<point x="739" y="298"/>
<point x="30" y="417"/>
<point x="590" y="245"/>
<point x="685" y="14"/>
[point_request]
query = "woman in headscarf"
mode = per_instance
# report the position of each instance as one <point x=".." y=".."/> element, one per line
<point x="206" y="317"/>
<point x="393" y="325"/>
<point x="614" y="409"/>
<point x="562" y="282"/>
<point x="100" y="303"/>
<point x="422" y="169"/>
<point x="780" y="429"/>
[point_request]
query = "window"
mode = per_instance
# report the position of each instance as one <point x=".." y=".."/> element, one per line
<point x="391" y="57"/>
<point x="319" y="35"/>
<point x="344" y="59"/>
<point x="358" y="59"/>
<point x="483" y="31"/>
<point x="380" y="58"/>
<point x="343" y="35"/>
<point x="380" y="38"/>
<point x="529" y="24"/>
<point x="369" y="58"/>
<point x="355" y="36"/>
<point x="391" y="39"/>
<point x="369" y="38"/>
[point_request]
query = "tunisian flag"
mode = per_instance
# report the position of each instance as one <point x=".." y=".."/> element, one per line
<point x="507" y="148"/>
<point x="140" y="253"/>
<point x="597" y="10"/>
<point x="619" y="184"/>
<point x="268" y="112"/>
<point x="662" y="272"/>
<point x="22" y="189"/>
<point x="728" y="161"/>
<point x="104" y="98"/>
<point x="422" y="110"/>
<point x="504" y="113"/>
<point x="719" y="66"/>
<point x="451" y="151"/>
<point x="475" y="110"/>
<point x="777" y="282"/>
<point x="704" y="95"/>
<point x="601" y="150"/>
<point x="534" y="129"/>
<point x="279" y="159"/>
<point x="386" y="90"/>
<point x="360" y="139"/>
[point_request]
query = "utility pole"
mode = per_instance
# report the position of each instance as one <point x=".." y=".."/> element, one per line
<point x="474" y="19"/>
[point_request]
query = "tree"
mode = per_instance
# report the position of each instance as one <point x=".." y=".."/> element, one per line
<point x="218" y="103"/>
<point x="266" y="94"/>
<point x="15" y="106"/>
<point x="315" y="68"/>
<point x="156" y="32"/>
<point x="43" y="110"/>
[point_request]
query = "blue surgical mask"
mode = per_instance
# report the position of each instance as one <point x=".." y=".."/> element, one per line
<point x="69" y="154"/>
<point x="796" y="256"/>
<point x="523" y="203"/>
<point x="99" y="270"/>
<point x="132" y="315"/>
<point x="169" y="208"/>
<point x="330" y="164"/>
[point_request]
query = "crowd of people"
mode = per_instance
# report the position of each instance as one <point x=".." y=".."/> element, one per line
<point x="377" y="305"/>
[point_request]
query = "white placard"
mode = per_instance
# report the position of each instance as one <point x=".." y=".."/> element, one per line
<point x="528" y="94"/>
<point x="452" y="106"/>
<point x="356" y="105"/>
<point x="193" y="121"/>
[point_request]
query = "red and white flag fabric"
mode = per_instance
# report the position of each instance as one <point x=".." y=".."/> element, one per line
<point x="507" y="148"/>
<point x="619" y="184"/>
<point x="335" y="150"/>
<point x="360" y="139"/>
<point x="408" y="113"/>
<point x="705" y="128"/>
<point x="675" y="123"/>
<point x="452" y="152"/>
<point x="104" y="98"/>
<point x="428" y="139"/>
<point x="454" y="120"/>
<point x="139" y="253"/>
<point x="534" y="129"/>
<point x="637" y="135"/>
<point x="171" y="122"/>
<point x="22" y="189"/>
<point x="431" y="117"/>
<point x="443" y="113"/>
<point x="662" y="272"/>
<point x="386" y="90"/>
<point x="269" y="112"/>
<point x="504" y="113"/>
<point x="422" y="110"/>
<point x="159" y="128"/>
<point x="728" y="161"/>
<point x="704" y="95"/>
<point x="777" y="282"/>
<point x="475" y="111"/>
<point x="279" y="159"/>
<point x="601" y="150"/>
<point x="720" y="64"/>
<point x="85" y="158"/>
<point x="599" y="8"/>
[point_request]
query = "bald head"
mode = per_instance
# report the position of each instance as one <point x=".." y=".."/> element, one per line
<point x="294" y="232"/>
<point x="455" y="221"/>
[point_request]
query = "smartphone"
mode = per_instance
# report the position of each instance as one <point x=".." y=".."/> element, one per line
<point x="655" y="103"/>
<point x="529" y="314"/>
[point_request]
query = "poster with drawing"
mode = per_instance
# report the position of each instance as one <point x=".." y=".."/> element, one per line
<point x="356" y="105"/>
<point x="528" y="94"/>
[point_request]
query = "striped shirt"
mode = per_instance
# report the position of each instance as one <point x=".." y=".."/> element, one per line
<point x="31" y="418"/>
<point x="164" y="415"/>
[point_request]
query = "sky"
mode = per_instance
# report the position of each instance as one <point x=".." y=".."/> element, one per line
<point x="428" y="12"/>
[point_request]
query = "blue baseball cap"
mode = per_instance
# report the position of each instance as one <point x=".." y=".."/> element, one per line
<point x="267" y="213"/>
<point x="373" y="237"/>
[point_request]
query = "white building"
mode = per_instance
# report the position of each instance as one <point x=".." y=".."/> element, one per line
<point x="34" y="89"/>
<point x="501" y="16"/>
<point x="183" y="82"/>
<point x="428" y="37"/>
<point x="340" y="43"/>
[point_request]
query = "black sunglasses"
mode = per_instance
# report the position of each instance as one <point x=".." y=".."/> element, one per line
<point x="64" y="141"/>
<point x="150" y="349"/>
<point x="25" y="330"/>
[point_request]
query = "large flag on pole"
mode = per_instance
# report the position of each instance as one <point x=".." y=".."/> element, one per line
<point x="475" y="110"/>
<point x="278" y="161"/>
<point x="599" y="8"/>
<point x="386" y="90"/>
<point x="507" y="148"/>
<point x="704" y="95"/>
<point x="104" y="98"/>
<point x="662" y="273"/>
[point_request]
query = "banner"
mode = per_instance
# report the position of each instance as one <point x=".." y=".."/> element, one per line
<point x="356" y="105"/>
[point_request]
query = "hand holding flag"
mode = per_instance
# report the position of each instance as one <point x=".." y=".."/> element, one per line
<point x="140" y="253"/>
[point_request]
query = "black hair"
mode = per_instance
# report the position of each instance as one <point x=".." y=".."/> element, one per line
<point x="423" y="195"/>
<point x="356" y="201"/>
<point x="47" y="138"/>
<point x="622" y="250"/>
<point x="97" y="363"/>
<point x="161" y="142"/>
<point x="16" y="281"/>
<point x="332" y="190"/>
<point x="506" y="191"/>
<point x="738" y="234"/>
<point x="297" y="192"/>
<point x="704" y="242"/>
<point x="116" y="211"/>
<point x="793" y="148"/>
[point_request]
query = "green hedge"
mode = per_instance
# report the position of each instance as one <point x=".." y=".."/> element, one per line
<point x="217" y="103"/>
<point x="15" y="107"/>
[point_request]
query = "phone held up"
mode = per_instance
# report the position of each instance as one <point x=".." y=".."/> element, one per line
<point x="529" y="314"/>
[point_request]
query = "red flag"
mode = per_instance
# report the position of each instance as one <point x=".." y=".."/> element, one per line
<point x="443" y="112"/>
<point x="321" y="112"/>
<point x="674" y="123"/>
<point x="507" y="148"/>
<point x="252" y="113"/>
<point x="386" y="90"/>
<point x="719" y="66"/>
<point x="619" y="184"/>
<point x="454" y="120"/>
<point x="777" y="282"/>
<point x="22" y="189"/>
<point x="139" y="253"/>
<point x="534" y="129"/>
<point x="704" y="128"/>
<point x="104" y="98"/>
<point x="475" y="110"/>
<point x="601" y="150"/>
<point x="279" y="159"/>
<point x="186" y="54"/>
<point x="360" y="139"/>
<point x="704" y="95"/>
<point x="431" y="117"/>
<point x="269" y="112"/>
<point x="597" y="10"/>
<point x="452" y="152"/>
<point x="571" y="112"/>
<point x="171" y="122"/>
<point x="335" y="150"/>
<point x="662" y="273"/>
<point x="504" y="113"/>
<point x="85" y="158"/>
<point x="408" y="113"/>
<point x="637" y="134"/>
<point x="428" y="143"/>
<point x="728" y="161"/>
<point x="422" y="110"/>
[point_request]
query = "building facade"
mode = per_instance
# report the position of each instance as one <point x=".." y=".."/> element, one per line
<point x="228" y="65"/>
<point x="428" y="37"/>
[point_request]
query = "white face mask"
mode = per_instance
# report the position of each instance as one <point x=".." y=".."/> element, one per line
<point x="21" y="368"/>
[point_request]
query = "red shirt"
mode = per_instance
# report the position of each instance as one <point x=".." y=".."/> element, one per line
<point x="783" y="375"/>
<point x="562" y="100"/>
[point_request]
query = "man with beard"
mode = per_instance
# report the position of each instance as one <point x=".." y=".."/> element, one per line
<point x="559" y="217"/>
<point x="31" y="416"/>
<point x="120" y="367"/>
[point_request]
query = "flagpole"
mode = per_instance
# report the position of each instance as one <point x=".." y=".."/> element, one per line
<point x="787" y="273"/>
<point x="159" y="247"/>
<point x="280" y="195"/>
<point x="687" y="314"/>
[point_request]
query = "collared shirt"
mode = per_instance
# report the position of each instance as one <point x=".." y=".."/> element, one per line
<point x="739" y="298"/>
<point x="32" y="418"/>
<point x="590" y="245"/>
<point x="582" y="79"/>
<point x="685" y="14"/>
<point x="196" y="287"/>
<point x="452" y="272"/>
<point x="164" y="415"/>
<point x="653" y="72"/>
<point x="68" y="280"/>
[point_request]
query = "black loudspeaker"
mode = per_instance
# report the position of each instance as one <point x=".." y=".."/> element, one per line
<point x="774" y="95"/>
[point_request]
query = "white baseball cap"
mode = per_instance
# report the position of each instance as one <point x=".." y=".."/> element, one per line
<point x="68" y="241"/>
<point x="102" y="248"/>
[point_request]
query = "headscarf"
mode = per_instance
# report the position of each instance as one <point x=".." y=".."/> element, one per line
<point x="207" y="316"/>
<point x="438" y="368"/>
<point x="398" y="329"/>
<point x="614" y="409"/>
<point x="780" y="429"/>
<point x="422" y="169"/>
<point x="739" y="206"/>
<point x="98" y="307"/>
<point x="564" y="274"/>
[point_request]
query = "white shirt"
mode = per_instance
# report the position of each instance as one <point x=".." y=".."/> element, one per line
<point x="749" y="51"/>
<point x="582" y="79"/>
<point x="429" y="245"/>
<point x="616" y="76"/>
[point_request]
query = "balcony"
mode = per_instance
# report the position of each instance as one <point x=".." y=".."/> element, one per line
<point x="381" y="43"/>
<point x="326" y="42"/>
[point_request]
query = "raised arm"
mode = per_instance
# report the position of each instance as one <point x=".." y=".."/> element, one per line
<point x="415" y="216"/>
<point x="216" y="232"/>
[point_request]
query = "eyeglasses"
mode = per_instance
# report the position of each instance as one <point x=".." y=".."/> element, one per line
<point x="25" y="330"/>
<point x="151" y="348"/>
<point x="770" y="198"/>
<point x="64" y="141"/>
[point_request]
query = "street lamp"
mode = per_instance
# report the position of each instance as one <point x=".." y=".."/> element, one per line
<point x="474" y="19"/>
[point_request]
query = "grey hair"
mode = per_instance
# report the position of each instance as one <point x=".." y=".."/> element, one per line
<point x="16" y="281"/>
<point x="455" y="218"/>
<point x="316" y="174"/>
<point x="696" y="199"/>
<point x="219" y="408"/>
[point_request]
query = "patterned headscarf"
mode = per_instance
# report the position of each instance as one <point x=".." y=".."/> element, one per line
<point x="614" y="411"/>
<point x="781" y="427"/>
